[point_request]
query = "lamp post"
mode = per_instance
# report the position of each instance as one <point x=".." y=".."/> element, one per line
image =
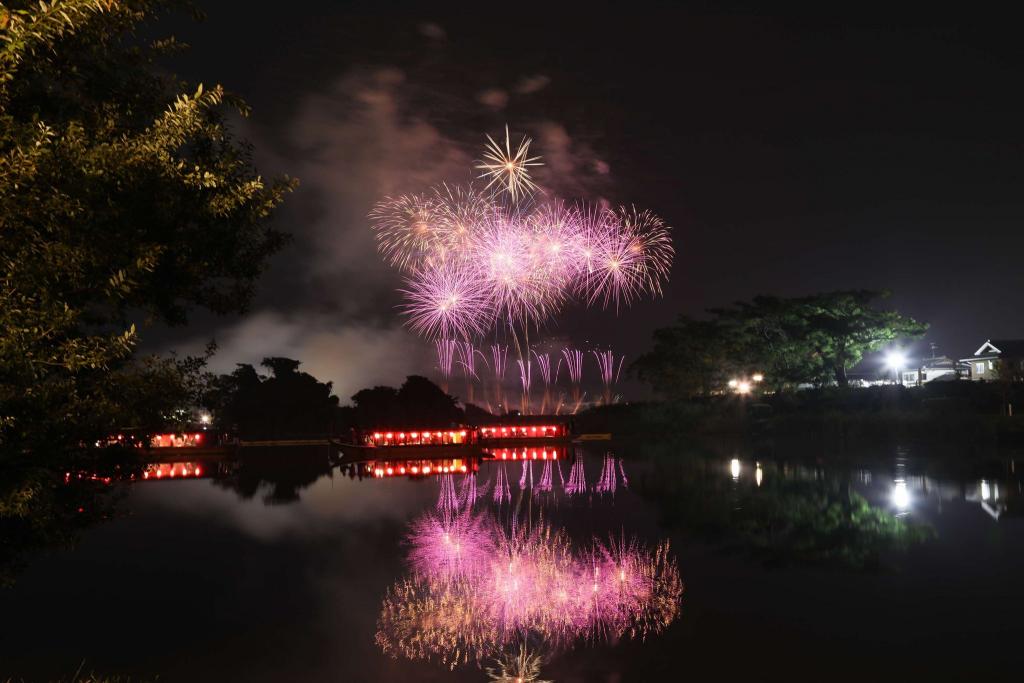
<point x="896" y="360"/>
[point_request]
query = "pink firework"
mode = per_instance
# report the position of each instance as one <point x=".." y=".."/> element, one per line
<point x="470" y="492"/>
<point x="445" y="546"/>
<point x="577" y="483"/>
<point x="478" y="586"/>
<point x="608" y="480"/>
<point x="547" y="375"/>
<point x="502" y="491"/>
<point x="545" y="484"/>
<point x="445" y="349"/>
<point x="406" y="230"/>
<point x="574" y="365"/>
<point x="525" y="380"/>
<point x="632" y="259"/>
<point x="499" y="363"/>
<point x="447" y="499"/>
<point x="467" y="360"/>
<point x="446" y="301"/>
<point x="609" y="371"/>
<point x="526" y="479"/>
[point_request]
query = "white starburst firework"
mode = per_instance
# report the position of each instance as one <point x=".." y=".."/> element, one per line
<point x="508" y="169"/>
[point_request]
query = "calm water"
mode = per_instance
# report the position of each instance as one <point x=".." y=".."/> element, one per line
<point x="891" y="565"/>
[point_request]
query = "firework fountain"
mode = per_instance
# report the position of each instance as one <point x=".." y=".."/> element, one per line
<point x="502" y="491"/>
<point x="525" y="380"/>
<point x="550" y="378"/>
<point x="445" y="349"/>
<point x="499" y="363"/>
<point x="574" y="366"/>
<point x="577" y="483"/>
<point x="609" y="371"/>
<point x="467" y="360"/>
<point x="507" y="258"/>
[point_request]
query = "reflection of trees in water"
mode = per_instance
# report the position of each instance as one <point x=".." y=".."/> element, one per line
<point x="478" y="585"/>
<point x="40" y="511"/>
<point x="778" y="518"/>
<point x="280" y="473"/>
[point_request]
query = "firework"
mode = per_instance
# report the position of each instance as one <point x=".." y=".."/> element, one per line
<point x="502" y="492"/>
<point x="608" y="370"/>
<point x="546" y="374"/>
<point x="467" y="359"/>
<point x="499" y="363"/>
<point x="608" y="480"/>
<point x="577" y="483"/>
<point x="509" y="170"/>
<point x="525" y="379"/>
<point x="526" y="479"/>
<point x="447" y="500"/>
<point x="545" y="484"/>
<point x="478" y="587"/>
<point x="446" y="302"/>
<point x="445" y="349"/>
<point x="523" y="667"/>
<point x="406" y="230"/>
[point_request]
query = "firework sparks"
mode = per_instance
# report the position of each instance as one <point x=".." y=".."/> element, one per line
<point x="507" y="169"/>
<point x="502" y="491"/>
<point x="525" y="380"/>
<point x="608" y="480"/>
<point x="446" y="302"/>
<point x="445" y="349"/>
<point x="609" y="371"/>
<point x="471" y="256"/>
<point x="478" y="587"/>
<point x="577" y="483"/>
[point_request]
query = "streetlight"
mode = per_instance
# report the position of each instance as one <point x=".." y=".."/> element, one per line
<point x="757" y="377"/>
<point x="895" y="360"/>
<point x="743" y="387"/>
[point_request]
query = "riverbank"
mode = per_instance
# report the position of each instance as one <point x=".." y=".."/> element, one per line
<point x="965" y="414"/>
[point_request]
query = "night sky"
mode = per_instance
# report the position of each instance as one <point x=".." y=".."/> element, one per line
<point x="791" y="154"/>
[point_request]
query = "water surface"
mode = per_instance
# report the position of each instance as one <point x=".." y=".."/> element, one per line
<point x="892" y="564"/>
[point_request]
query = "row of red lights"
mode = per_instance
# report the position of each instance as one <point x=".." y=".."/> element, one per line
<point x="527" y="454"/>
<point x="186" y="471"/>
<point x="415" y="469"/>
<point x="152" y="472"/>
<point x="500" y="432"/>
<point x="416" y="436"/>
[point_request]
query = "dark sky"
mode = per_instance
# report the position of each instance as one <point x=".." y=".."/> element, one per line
<point x="791" y="154"/>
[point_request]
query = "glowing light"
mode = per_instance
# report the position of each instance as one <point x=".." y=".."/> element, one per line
<point x="758" y="474"/>
<point x="734" y="468"/>
<point x="900" y="495"/>
<point x="757" y="377"/>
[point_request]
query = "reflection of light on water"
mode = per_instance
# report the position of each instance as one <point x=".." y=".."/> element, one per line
<point x="758" y="474"/>
<point x="985" y="490"/>
<point x="734" y="468"/>
<point x="900" y="495"/>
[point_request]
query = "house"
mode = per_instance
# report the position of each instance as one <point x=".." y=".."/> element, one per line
<point x="986" y="361"/>
<point x="935" y="369"/>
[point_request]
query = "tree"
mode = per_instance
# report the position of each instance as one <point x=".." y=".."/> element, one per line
<point x="691" y="358"/>
<point x="417" y="403"/>
<point x="805" y="340"/>
<point x="845" y="325"/>
<point x="125" y="200"/>
<point x="287" y="403"/>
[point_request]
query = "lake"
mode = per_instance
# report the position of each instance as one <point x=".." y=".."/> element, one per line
<point x="890" y="564"/>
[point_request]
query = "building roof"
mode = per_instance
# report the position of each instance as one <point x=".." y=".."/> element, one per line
<point x="1003" y="347"/>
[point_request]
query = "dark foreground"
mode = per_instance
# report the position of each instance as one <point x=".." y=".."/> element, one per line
<point x="886" y="565"/>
